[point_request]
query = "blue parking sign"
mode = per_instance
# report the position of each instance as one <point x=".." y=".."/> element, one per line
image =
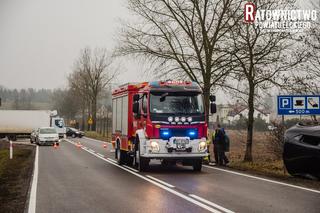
<point x="298" y="104"/>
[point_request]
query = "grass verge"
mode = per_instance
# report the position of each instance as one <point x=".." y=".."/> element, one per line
<point x="95" y="135"/>
<point x="15" y="176"/>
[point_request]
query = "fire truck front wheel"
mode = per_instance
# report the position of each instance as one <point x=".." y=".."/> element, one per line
<point x="197" y="165"/>
<point x="140" y="162"/>
<point x="143" y="164"/>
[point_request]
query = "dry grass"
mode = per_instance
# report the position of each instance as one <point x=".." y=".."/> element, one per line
<point x="95" y="135"/>
<point x="265" y="161"/>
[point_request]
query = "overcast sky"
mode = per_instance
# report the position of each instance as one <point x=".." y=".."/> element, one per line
<point x="40" y="39"/>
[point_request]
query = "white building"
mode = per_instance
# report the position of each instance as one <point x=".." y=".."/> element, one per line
<point x="228" y="114"/>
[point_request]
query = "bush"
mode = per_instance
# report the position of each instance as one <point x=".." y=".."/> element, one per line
<point x="260" y="124"/>
<point x="276" y="140"/>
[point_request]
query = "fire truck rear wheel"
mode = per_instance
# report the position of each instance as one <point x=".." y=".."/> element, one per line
<point x="120" y="155"/>
<point x="197" y="165"/>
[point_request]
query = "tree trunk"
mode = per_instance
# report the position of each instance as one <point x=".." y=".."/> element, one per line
<point x="248" y="154"/>
<point x="83" y="121"/>
<point x="94" y="114"/>
<point x="206" y="96"/>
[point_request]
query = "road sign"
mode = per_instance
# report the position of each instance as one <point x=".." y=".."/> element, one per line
<point x="298" y="104"/>
<point x="90" y="121"/>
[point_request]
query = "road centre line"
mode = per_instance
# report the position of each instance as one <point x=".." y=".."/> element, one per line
<point x="210" y="203"/>
<point x="112" y="160"/>
<point x="91" y="150"/>
<point x="185" y="197"/>
<point x="263" y="179"/>
<point x="132" y="169"/>
<point x="160" y="181"/>
<point x="33" y="193"/>
<point x="101" y="155"/>
<point x="100" y="141"/>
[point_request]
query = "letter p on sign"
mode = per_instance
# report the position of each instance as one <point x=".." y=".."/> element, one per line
<point x="285" y="103"/>
<point x="249" y="12"/>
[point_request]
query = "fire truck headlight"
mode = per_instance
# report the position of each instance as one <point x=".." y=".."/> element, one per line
<point x="189" y="119"/>
<point x="170" y="119"/>
<point x="154" y="146"/>
<point x="183" y="119"/>
<point x="202" y="146"/>
<point x="176" y="119"/>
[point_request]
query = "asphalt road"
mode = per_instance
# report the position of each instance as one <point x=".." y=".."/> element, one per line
<point x="86" y="179"/>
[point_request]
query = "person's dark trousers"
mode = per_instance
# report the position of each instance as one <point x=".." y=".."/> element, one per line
<point x="215" y="152"/>
<point x="221" y="157"/>
<point x="224" y="158"/>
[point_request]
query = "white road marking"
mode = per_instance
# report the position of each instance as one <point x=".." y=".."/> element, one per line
<point x="100" y="141"/>
<point x="132" y="169"/>
<point x="112" y="160"/>
<point x="185" y="197"/>
<point x="101" y="155"/>
<point x="211" y="203"/>
<point x="264" y="179"/>
<point x="160" y="181"/>
<point x="33" y="193"/>
<point x="91" y="150"/>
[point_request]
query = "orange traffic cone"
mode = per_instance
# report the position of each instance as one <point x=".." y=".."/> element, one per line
<point x="55" y="145"/>
<point x="79" y="145"/>
<point x="105" y="145"/>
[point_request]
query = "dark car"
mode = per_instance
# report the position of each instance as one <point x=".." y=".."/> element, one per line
<point x="301" y="154"/>
<point x="72" y="132"/>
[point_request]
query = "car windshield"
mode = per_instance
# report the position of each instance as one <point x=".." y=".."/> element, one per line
<point x="176" y="103"/>
<point x="47" y="131"/>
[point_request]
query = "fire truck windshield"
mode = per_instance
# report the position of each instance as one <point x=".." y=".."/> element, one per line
<point x="176" y="103"/>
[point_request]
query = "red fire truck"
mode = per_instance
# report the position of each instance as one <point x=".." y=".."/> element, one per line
<point x="163" y="120"/>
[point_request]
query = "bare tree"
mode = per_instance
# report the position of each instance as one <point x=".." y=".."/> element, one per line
<point x="93" y="71"/>
<point x="184" y="38"/>
<point x="263" y="59"/>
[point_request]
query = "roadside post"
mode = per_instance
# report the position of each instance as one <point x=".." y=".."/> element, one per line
<point x="90" y="122"/>
<point x="11" y="150"/>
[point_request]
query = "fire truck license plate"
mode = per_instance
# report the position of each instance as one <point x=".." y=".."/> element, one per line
<point x="181" y="144"/>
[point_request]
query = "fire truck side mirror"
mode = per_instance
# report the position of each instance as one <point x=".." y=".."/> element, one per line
<point x="212" y="98"/>
<point x="213" y="108"/>
<point x="136" y="108"/>
<point x="136" y="98"/>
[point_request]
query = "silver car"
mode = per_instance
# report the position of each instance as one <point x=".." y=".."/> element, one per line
<point x="47" y="136"/>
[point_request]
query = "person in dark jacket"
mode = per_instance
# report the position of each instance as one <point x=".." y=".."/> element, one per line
<point x="220" y="146"/>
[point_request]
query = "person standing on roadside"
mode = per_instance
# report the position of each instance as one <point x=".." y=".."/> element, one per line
<point x="220" y="146"/>
<point x="215" y="146"/>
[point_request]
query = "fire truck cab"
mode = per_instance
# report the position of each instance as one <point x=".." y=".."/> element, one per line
<point x="163" y="120"/>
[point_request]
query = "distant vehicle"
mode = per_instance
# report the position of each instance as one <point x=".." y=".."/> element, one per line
<point x="47" y="136"/>
<point x="271" y="128"/>
<point x="15" y="123"/>
<point x="33" y="136"/>
<point x="72" y="132"/>
<point x="163" y="120"/>
<point x="301" y="153"/>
